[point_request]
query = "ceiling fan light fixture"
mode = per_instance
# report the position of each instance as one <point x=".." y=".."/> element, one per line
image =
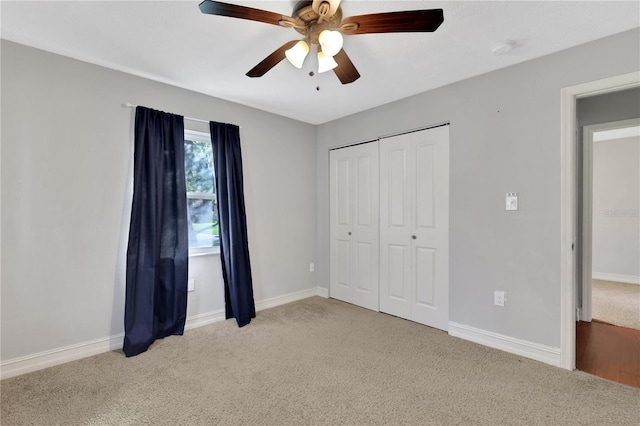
<point x="330" y="42"/>
<point x="297" y="53"/>
<point x="326" y="62"/>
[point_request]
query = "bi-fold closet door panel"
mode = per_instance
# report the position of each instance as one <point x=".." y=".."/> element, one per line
<point x="354" y="227"/>
<point x="414" y="226"/>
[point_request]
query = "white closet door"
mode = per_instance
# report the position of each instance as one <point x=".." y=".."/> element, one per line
<point x="341" y="224"/>
<point x="396" y="187"/>
<point x="355" y="225"/>
<point x="431" y="228"/>
<point x="414" y="226"/>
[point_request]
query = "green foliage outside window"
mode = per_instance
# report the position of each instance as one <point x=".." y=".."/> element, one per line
<point x="201" y="194"/>
<point x="199" y="166"/>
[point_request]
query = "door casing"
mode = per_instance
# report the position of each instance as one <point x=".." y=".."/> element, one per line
<point x="568" y="202"/>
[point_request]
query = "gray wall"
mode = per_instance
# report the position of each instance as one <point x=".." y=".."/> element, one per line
<point x="66" y="198"/>
<point x="504" y="137"/>
<point x="615" y="106"/>
<point x="616" y="202"/>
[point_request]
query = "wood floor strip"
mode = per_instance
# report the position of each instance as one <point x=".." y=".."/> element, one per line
<point x="608" y="351"/>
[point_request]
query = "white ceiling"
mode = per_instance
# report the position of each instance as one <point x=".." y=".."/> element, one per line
<point x="172" y="42"/>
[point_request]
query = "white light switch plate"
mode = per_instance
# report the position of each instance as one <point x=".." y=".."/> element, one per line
<point x="512" y="201"/>
<point x="191" y="284"/>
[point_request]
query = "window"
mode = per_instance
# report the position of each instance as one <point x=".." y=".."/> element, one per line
<point x="202" y="209"/>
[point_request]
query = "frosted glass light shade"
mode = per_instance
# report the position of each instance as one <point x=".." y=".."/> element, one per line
<point x="330" y="42"/>
<point x="297" y="53"/>
<point x="326" y="62"/>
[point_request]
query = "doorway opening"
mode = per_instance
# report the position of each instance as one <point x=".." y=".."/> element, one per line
<point x="608" y="330"/>
<point x="610" y="216"/>
<point x="569" y="204"/>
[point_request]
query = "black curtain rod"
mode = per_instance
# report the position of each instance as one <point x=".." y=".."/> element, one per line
<point x="130" y="105"/>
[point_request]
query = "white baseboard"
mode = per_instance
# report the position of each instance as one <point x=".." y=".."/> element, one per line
<point x="287" y="298"/>
<point x="323" y="292"/>
<point x="201" y="320"/>
<point x="542" y="353"/>
<point x="629" y="279"/>
<point x="29" y="363"/>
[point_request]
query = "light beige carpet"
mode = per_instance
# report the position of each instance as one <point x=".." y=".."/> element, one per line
<point x="315" y="361"/>
<point x="616" y="303"/>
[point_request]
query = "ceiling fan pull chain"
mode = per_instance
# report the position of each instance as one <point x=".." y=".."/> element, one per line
<point x="317" y="82"/>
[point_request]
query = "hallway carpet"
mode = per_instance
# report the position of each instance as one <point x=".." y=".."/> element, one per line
<point x="616" y="303"/>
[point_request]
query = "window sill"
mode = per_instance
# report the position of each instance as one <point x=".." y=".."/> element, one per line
<point x="204" y="252"/>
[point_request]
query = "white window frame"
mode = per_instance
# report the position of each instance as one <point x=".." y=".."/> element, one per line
<point x="193" y="135"/>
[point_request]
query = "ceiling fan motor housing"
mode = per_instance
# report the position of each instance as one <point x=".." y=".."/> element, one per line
<point x="309" y="20"/>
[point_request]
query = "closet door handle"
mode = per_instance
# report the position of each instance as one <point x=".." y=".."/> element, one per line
<point x="413" y="237"/>
<point x="349" y="232"/>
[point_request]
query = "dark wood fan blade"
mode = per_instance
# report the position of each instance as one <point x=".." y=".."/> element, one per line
<point x="346" y="71"/>
<point x="271" y="60"/>
<point x="224" y="9"/>
<point x="394" y="22"/>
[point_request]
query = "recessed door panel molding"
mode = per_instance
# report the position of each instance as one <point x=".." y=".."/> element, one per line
<point x="397" y="205"/>
<point x="364" y="190"/>
<point x="394" y="271"/>
<point x="425" y="276"/>
<point x="343" y="204"/>
<point x="426" y="168"/>
<point x="414" y="213"/>
<point x="354" y="195"/>
<point x="397" y="275"/>
<point x="365" y="256"/>
<point x="344" y="273"/>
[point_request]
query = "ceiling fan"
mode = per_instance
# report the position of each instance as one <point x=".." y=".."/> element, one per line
<point x="321" y="23"/>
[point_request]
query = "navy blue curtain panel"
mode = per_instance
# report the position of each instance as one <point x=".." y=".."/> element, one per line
<point x="158" y="251"/>
<point x="234" y="247"/>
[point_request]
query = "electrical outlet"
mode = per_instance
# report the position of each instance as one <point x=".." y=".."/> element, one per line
<point x="191" y="284"/>
<point x="312" y="267"/>
<point x="499" y="297"/>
